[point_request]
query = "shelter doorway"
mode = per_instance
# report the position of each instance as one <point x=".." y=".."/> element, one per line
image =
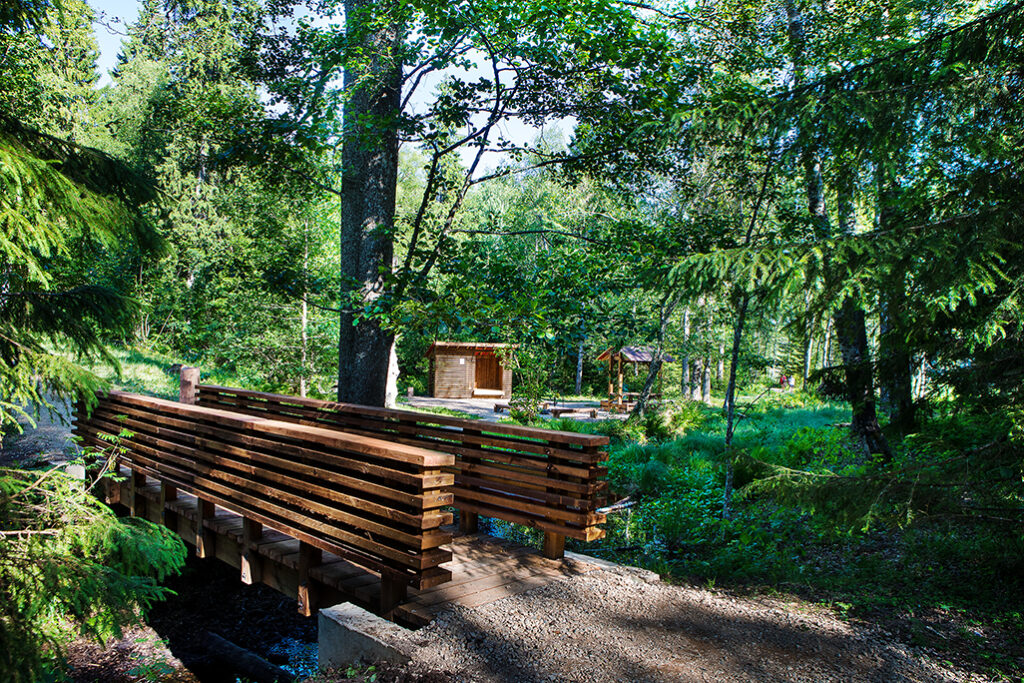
<point x="488" y="373"/>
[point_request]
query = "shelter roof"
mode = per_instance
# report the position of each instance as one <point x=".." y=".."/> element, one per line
<point x="457" y="348"/>
<point x="634" y="354"/>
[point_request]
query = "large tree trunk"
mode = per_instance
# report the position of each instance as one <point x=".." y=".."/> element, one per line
<point x="851" y="334"/>
<point x="373" y="81"/>
<point x="895" y="384"/>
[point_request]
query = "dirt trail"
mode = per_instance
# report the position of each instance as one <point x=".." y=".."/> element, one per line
<point x="620" y="625"/>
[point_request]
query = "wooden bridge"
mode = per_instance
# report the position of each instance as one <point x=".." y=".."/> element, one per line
<point x="332" y="502"/>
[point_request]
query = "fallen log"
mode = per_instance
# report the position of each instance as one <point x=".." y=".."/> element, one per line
<point x="245" y="663"/>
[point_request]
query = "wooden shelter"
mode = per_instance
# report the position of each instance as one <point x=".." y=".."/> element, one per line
<point x="468" y="370"/>
<point x="636" y="356"/>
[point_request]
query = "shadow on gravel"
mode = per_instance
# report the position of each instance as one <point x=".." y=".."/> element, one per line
<point x="661" y="636"/>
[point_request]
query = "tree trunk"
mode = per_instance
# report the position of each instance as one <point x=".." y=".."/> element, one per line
<point x="720" y="365"/>
<point x="579" y="369"/>
<point x="373" y="82"/>
<point x="706" y="381"/>
<point x="730" y="402"/>
<point x="654" y="369"/>
<point x="812" y="323"/>
<point x="826" y="351"/>
<point x="696" y="387"/>
<point x="304" y="314"/>
<point x="685" y="360"/>
<point x="895" y="372"/>
<point x="851" y="334"/>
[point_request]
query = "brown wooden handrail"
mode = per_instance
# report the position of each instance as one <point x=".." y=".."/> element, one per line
<point x="546" y="479"/>
<point x="372" y="501"/>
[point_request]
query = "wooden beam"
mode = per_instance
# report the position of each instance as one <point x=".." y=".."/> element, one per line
<point x="469" y="522"/>
<point x="392" y="592"/>
<point x="619" y="397"/>
<point x="554" y="546"/>
<point x="168" y="494"/>
<point x="205" y="539"/>
<point x="136" y="502"/>
<point x="309" y="556"/>
<point x="252" y="531"/>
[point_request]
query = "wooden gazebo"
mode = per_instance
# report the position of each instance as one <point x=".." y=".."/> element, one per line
<point x="631" y="355"/>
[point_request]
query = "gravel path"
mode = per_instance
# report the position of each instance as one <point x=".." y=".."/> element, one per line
<point x="48" y="440"/>
<point x="617" y="625"/>
<point x="483" y="408"/>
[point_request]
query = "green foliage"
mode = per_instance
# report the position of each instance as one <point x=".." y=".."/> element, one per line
<point x="69" y="567"/>
<point x="60" y="204"/>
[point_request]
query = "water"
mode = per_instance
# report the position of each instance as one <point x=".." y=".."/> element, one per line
<point x="303" y="656"/>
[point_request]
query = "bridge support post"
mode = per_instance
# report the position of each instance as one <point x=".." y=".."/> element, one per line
<point x="554" y="546"/>
<point x="112" y="488"/>
<point x="205" y="539"/>
<point x="251" y="532"/>
<point x="136" y="501"/>
<point x="392" y="592"/>
<point x="169" y="518"/>
<point x="469" y="522"/>
<point x="309" y="557"/>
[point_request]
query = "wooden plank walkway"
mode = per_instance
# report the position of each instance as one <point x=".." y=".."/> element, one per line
<point x="484" y="568"/>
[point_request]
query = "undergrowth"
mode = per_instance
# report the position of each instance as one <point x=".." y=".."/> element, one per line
<point x="939" y="528"/>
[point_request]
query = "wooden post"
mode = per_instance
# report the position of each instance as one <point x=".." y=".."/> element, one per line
<point x="188" y="390"/>
<point x="136" y="501"/>
<point x="554" y="545"/>
<point x="469" y="522"/>
<point x="251" y="532"/>
<point x="392" y="592"/>
<point x="619" y="397"/>
<point x="205" y="539"/>
<point x="112" y="489"/>
<point x="309" y="556"/>
<point x="169" y="518"/>
<point x="611" y="384"/>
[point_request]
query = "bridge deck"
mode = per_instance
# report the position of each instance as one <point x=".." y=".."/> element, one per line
<point x="484" y="568"/>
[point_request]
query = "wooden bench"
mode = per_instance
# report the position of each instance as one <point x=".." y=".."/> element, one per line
<point x="558" y="412"/>
<point x="546" y="479"/>
<point x="376" y="503"/>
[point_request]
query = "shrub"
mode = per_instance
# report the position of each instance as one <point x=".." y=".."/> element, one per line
<point x="67" y="565"/>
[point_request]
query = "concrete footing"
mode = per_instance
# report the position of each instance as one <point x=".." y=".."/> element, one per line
<point x="350" y="634"/>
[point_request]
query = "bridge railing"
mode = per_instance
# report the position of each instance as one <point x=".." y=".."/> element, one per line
<point x="376" y="503"/>
<point x="546" y="479"/>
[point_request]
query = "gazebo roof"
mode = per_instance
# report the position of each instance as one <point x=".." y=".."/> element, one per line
<point x="634" y="354"/>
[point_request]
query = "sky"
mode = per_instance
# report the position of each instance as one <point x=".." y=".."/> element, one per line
<point x="114" y="15"/>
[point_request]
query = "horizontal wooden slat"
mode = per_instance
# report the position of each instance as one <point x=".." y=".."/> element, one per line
<point x="314" y="475"/>
<point x="319" y="435"/>
<point x="514" y="472"/>
<point x="395" y="414"/>
<point x="374" y="502"/>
